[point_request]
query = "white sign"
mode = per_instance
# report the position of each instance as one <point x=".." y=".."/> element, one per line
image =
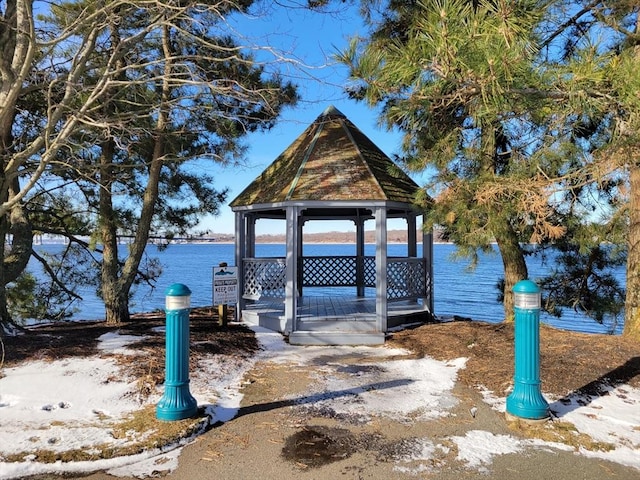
<point x="225" y="285"/>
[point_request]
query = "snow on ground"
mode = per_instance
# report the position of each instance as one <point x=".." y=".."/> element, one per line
<point x="69" y="404"/>
<point x="612" y="418"/>
<point x="367" y="390"/>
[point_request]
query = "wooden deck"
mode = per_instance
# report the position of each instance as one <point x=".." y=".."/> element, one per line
<point x="333" y="320"/>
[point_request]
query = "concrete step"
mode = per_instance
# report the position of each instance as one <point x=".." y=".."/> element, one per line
<point x="302" y="337"/>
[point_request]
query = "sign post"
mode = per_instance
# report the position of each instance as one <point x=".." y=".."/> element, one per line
<point x="225" y="289"/>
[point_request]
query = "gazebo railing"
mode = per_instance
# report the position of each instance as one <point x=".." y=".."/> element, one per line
<point x="329" y="271"/>
<point x="407" y="278"/>
<point x="264" y="277"/>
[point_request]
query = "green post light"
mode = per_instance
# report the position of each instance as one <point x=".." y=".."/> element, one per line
<point x="526" y="400"/>
<point x="177" y="402"/>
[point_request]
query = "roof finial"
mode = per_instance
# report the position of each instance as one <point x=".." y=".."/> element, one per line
<point x="332" y="111"/>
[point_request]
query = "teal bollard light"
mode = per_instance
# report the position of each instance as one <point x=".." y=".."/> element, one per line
<point x="526" y="400"/>
<point x="177" y="402"/>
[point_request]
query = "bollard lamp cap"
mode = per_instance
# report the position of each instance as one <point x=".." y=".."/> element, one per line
<point x="178" y="297"/>
<point x="526" y="294"/>
<point x="177" y="290"/>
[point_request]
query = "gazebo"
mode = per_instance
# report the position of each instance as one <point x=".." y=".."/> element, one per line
<point x="332" y="171"/>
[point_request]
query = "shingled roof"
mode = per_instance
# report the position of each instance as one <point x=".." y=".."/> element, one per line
<point x="332" y="160"/>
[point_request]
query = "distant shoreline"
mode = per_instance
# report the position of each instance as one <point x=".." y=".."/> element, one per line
<point x="328" y="238"/>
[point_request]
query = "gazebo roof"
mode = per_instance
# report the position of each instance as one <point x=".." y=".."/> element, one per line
<point x="332" y="161"/>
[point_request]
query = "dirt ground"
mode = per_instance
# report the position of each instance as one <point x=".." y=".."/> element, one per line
<point x="570" y="361"/>
<point x="317" y="447"/>
<point x="80" y="339"/>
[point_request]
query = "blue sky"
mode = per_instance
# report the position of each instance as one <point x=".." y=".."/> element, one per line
<point x="310" y="38"/>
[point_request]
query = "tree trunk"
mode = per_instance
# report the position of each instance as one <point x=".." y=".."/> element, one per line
<point x="14" y="56"/>
<point x="632" y="300"/>
<point x="6" y="324"/>
<point x="17" y="258"/>
<point x="116" y="310"/>
<point x="13" y="261"/>
<point x="116" y="304"/>
<point x="515" y="267"/>
<point x="116" y="281"/>
<point x="116" y="294"/>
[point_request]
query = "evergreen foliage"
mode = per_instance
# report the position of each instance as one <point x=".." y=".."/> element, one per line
<point x="509" y="106"/>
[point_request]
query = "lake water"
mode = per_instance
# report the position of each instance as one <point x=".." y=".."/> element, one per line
<point x="457" y="291"/>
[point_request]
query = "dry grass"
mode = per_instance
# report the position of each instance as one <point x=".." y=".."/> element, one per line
<point x="141" y="429"/>
<point x="559" y="432"/>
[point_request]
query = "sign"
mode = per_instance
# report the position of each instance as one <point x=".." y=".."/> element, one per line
<point x="225" y="285"/>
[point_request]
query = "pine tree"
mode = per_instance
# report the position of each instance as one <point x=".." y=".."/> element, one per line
<point x="528" y="115"/>
<point x="187" y="99"/>
<point x="453" y="76"/>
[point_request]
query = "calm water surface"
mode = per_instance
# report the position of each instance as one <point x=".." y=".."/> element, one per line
<point x="457" y="290"/>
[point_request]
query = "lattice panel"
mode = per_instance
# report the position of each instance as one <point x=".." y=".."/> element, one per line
<point x="369" y="271"/>
<point x="329" y="271"/>
<point x="406" y="279"/>
<point x="264" y="277"/>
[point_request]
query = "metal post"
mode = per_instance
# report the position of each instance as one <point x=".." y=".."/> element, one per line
<point x="177" y="402"/>
<point x="526" y="400"/>
<point x="223" y="310"/>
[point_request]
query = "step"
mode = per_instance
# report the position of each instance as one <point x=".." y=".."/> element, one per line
<point x="324" y="337"/>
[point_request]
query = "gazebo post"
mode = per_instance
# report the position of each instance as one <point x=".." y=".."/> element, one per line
<point x="427" y="254"/>
<point x="291" y="275"/>
<point x="251" y="235"/>
<point x="412" y="240"/>
<point x="381" y="268"/>
<point x="240" y="253"/>
<point x="359" y="221"/>
<point x="300" y="249"/>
